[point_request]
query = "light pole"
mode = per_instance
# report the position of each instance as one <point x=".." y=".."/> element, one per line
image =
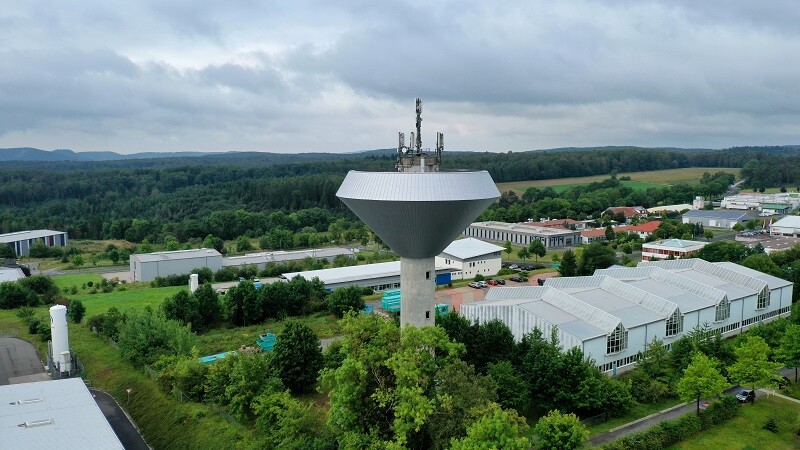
<point x="129" y="395"/>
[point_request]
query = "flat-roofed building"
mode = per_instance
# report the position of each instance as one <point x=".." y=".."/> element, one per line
<point x="469" y="257"/>
<point x="757" y="202"/>
<point x="261" y="259"/>
<point x="612" y="315"/>
<point x="57" y="414"/>
<point x="148" y="266"/>
<point x="717" y="218"/>
<point x="22" y="241"/>
<point x="567" y="224"/>
<point x="787" y="226"/>
<point x="676" y="248"/>
<point x="378" y="277"/>
<point x="670" y="208"/>
<point x="522" y="234"/>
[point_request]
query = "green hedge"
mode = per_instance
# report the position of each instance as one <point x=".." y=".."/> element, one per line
<point x="670" y="432"/>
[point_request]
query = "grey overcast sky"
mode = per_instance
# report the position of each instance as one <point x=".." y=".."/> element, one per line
<point x="334" y="76"/>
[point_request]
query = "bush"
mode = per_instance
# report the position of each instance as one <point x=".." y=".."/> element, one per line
<point x="33" y="326"/>
<point x="171" y="280"/>
<point x="76" y="311"/>
<point x="770" y="425"/>
<point x="670" y="432"/>
<point x="479" y="277"/>
<point x="14" y="295"/>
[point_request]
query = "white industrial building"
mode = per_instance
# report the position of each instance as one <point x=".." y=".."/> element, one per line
<point x="148" y="266"/>
<point x="787" y="226"/>
<point x="46" y="415"/>
<point x="612" y="315"/>
<point x="463" y="258"/>
<point x="522" y="234"/>
<point x="756" y="201"/>
<point x="717" y="218"/>
<point x="261" y="259"/>
<point x="469" y="257"/>
<point x="22" y="241"/>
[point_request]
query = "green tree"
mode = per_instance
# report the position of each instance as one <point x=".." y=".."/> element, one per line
<point x="524" y="253"/>
<point x="241" y="304"/>
<point x="789" y="351"/>
<point x="610" y="235"/>
<point x="762" y="263"/>
<point x="214" y="242"/>
<point x="209" y="308"/>
<point x="43" y="286"/>
<point x="77" y="260"/>
<point x="595" y="256"/>
<point x="7" y="252"/>
<point x="146" y="247"/>
<point x="738" y="227"/>
<point x="701" y="379"/>
<point x="508" y="248"/>
<point x="76" y="311"/>
<point x="536" y="248"/>
<point x="752" y="368"/>
<point x="171" y="243"/>
<point x="298" y="357"/>
<point x="14" y="295"/>
<point x="243" y="244"/>
<point x="568" y="267"/>
<point x="557" y="431"/>
<point x="342" y="300"/>
<point x="146" y="335"/>
<point x="182" y="307"/>
<point x="496" y="429"/>
<point x="249" y="378"/>
<point x="512" y="391"/>
<point x="283" y="422"/>
<point x="708" y="234"/>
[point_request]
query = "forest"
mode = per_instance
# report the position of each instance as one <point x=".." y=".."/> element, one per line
<point x="246" y="194"/>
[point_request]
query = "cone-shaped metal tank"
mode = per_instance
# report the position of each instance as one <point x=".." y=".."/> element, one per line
<point x="418" y="214"/>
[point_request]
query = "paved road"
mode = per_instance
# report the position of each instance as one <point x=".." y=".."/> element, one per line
<point x="120" y="423"/>
<point x="671" y="413"/>
<point x="19" y="362"/>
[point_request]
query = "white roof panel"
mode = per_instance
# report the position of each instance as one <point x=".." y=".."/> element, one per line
<point x="74" y="419"/>
<point x="470" y="248"/>
<point x="176" y="255"/>
<point x="11" y="274"/>
<point x="351" y="273"/>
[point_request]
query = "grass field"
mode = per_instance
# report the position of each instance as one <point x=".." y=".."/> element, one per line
<point x="78" y="280"/>
<point x="639" y="180"/>
<point x="745" y="432"/>
<point x="125" y="300"/>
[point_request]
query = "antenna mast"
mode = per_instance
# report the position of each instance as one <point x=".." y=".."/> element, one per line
<point x="413" y="158"/>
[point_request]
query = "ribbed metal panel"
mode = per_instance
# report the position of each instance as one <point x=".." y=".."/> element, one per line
<point x="581" y="310"/>
<point x="417" y="214"/>
<point x="712" y="294"/>
<point x="633" y="294"/>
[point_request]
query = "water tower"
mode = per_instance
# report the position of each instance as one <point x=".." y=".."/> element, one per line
<point x="418" y="211"/>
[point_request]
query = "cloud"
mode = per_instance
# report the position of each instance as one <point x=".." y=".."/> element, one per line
<point x="321" y="76"/>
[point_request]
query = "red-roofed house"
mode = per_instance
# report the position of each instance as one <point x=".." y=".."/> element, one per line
<point x="644" y="230"/>
<point x="569" y="224"/>
<point x="630" y="212"/>
<point x="599" y="234"/>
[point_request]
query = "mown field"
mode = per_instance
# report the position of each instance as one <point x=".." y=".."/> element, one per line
<point x="639" y="180"/>
<point x="746" y="432"/>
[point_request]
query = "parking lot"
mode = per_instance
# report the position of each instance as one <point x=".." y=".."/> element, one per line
<point x="455" y="297"/>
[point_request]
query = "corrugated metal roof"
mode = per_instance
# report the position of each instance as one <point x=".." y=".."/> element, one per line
<point x="77" y="422"/>
<point x="788" y="222"/>
<point x="22" y="235"/>
<point x="772" y="281"/>
<point x="281" y="256"/>
<point x="176" y="255"/>
<point x="580" y="309"/>
<point x="350" y="273"/>
<point x="417" y="214"/>
<point x="470" y="248"/>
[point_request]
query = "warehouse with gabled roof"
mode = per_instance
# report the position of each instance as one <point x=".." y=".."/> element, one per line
<point x="612" y="315"/>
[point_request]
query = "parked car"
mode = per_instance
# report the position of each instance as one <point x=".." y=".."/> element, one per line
<point x="475" y="285"/>
<point x="540" y="281"/>
<point x="242" y="279"/>
<point x="746" y="395"/>
<point x="256" y="280"/>
<point x="483" y="284"/>
<point x="517" y="279"/>
<point x="492" y="283"/>
<point x="501" y="281"/>
<point x="513" y="267"/>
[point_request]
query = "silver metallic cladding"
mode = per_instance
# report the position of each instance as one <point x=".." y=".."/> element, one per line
<point x="418" y="214"/>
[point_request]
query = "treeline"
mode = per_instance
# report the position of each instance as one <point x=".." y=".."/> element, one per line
<point x="592" y="199"/>
<point x="102" y="200"/>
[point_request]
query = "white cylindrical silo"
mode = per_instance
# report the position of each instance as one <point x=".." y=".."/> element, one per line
<point x="194" y="282"/>
<point x="58" y="331"/>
